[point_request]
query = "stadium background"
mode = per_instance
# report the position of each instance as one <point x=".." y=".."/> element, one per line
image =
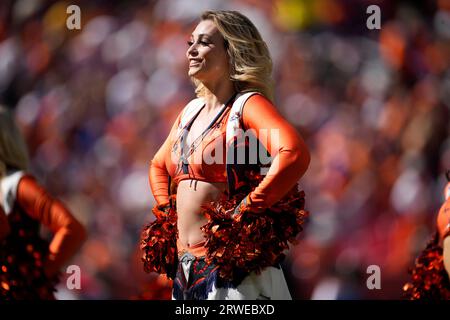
<point x="373" y="106"/>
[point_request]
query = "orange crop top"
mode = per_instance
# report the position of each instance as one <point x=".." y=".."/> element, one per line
<point x="291" y="159"/>
<point x="206" y="161"/>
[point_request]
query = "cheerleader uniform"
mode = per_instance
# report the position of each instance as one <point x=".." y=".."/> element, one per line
<point x="196" y="279"/>
<point x="29" y="265"/>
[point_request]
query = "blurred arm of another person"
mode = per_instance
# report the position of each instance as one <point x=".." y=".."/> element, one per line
<point x="69" y="233"/>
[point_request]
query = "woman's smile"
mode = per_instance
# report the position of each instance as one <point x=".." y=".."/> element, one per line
<point x="194" y="62"/>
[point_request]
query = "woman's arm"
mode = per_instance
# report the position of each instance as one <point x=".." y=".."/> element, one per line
<point x="290" y="155"/>
<point x="69" y="234"/>
<point x="158" y="174"/>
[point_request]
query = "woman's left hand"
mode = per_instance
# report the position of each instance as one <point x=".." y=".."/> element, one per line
<point x="241" y="207"/>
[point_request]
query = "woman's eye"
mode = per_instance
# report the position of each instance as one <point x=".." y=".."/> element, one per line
<point x="203" y="43"/>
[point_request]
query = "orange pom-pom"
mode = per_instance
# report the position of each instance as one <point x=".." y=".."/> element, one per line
<point x="251" y="241"/>
<point x="159" y="240"/>
<point x="429" y="279"/>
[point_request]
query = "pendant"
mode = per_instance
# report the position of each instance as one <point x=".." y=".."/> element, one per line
<point x="185" y="167"/>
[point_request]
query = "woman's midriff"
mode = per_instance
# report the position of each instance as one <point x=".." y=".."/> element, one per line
<point x="191" y="195"/>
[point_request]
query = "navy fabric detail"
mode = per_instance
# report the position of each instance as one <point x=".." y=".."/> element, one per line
<point x="202" y="279"/>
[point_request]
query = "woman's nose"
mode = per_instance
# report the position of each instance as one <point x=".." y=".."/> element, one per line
<point x="191" y="51"/>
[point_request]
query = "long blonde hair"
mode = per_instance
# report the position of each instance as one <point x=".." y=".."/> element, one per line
<point x="250" y="61"/>
<point x="13" y="150"/>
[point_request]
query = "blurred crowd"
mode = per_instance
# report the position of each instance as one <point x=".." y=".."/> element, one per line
<point x="373" y="106"/>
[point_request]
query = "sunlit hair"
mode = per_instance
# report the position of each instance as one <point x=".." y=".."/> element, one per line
<point x="249" y="57"/>
<point x="13" y="150"/>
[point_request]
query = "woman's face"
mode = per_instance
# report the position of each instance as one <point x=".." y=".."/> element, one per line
<point x="208" y="59"/>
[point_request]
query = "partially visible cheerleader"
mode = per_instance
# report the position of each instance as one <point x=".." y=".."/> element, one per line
<point x="431" y="273"/>
<point x="30" y="265"/>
